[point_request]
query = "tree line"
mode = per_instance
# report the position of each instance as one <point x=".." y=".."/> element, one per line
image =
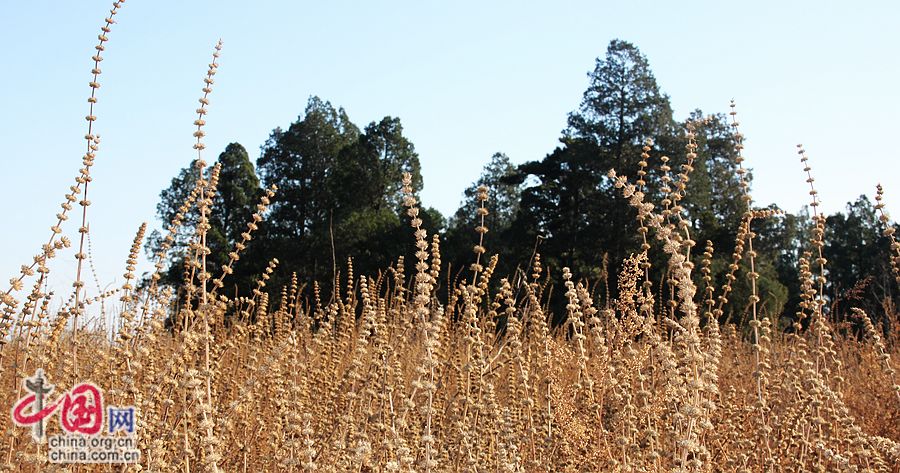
<point x="340" y="197"/>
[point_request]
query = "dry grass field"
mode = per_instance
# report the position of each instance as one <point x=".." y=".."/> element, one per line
<point x="385" y="375"/>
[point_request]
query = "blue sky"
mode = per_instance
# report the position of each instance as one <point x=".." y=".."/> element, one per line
<point x="466" y="78"/>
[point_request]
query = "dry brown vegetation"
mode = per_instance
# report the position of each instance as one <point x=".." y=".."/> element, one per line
<point x="385" y="376"/>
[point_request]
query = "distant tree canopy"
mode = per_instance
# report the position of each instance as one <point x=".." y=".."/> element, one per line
<point x="340" y="196"/>
<point x="859" y="257"/>
<point x="339" y="193"/>
<point x="504" y="195"/>
<point x="233" y="204"/>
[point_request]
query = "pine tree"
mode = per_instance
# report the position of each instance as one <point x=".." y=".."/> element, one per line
<point x="504" y="196"/>
<point x="339" y="193"/>
<point x="233" y="204"/>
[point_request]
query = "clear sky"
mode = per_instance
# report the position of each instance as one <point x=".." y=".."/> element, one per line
<point x="466" y="78"/>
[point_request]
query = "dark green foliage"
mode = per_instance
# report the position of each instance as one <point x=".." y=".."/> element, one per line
<point x="571" y="202"/>
<point x="339" y="193"/>
<point x="299" y="161"/>
<point x="575" y="210"/>
<point x="859" y="272"/>
<point x="504" y="195"/>
<point x="233" y="204"/>
<point x="858" y="269"/>
<point x="339" y="196"/>
<point x="622" y="106"/>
